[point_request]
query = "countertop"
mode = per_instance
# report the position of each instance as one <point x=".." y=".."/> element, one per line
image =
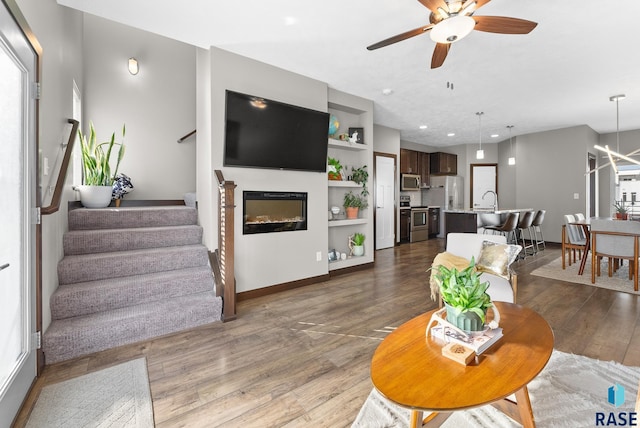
<point x="488" y="211"/>
<point x="420" y="206"/>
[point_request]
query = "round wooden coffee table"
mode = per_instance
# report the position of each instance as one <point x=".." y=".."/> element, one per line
<point x="408" y="368"/>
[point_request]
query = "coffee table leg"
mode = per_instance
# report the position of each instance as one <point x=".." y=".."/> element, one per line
<point x="416" y="419"/>
<point x="524" y="407"/>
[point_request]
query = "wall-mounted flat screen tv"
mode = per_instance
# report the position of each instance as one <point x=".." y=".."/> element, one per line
<point x="262" y="133"/>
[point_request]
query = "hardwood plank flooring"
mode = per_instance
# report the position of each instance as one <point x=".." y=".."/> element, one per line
<point x="301" y="357"/>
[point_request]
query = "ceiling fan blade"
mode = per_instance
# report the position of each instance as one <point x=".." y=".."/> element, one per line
<point x="400" y="37"/>
<point x="433" y="5"/>
<point x="503" y="25"/>
<point x="440" y="54"/>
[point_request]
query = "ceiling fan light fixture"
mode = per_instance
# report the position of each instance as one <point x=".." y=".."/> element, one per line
<point x="452" y="29"/>
<point x="469" y="8"/>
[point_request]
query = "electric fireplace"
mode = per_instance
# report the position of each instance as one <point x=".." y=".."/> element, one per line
<point x="267" y="212"/>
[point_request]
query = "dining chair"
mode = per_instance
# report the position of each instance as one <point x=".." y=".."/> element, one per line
<point x="571" y="241"/>
<point x="616" y="240"/>
<point x="580" y="217"/>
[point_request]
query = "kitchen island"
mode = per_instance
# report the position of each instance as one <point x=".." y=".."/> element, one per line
<point x="474" y="221"/>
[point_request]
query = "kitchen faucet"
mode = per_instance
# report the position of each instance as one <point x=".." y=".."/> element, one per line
<point x="495" y="200"/>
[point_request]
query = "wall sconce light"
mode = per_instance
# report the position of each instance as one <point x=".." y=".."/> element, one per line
<point x="480" y="152"/>
<point x="134" y="68"/>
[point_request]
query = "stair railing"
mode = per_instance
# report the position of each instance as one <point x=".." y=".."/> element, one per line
<point x="54" y="206"/>
<point x="222" y="260"/>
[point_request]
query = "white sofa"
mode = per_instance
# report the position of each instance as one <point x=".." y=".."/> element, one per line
<point x="469" y="244"/>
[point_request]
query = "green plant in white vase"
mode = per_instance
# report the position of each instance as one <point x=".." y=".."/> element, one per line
<point x="98" y="175"/>
<point x="356" y="244"/>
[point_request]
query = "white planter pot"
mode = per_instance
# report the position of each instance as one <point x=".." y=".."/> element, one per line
<point x="358" y="250"/>
<point x="95" y="196"/>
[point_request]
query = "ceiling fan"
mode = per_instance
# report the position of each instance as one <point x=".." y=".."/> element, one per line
<point x="452" y="20"/>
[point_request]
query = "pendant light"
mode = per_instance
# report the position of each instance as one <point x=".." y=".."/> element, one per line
<point x="512" y="159"/>
<point x="480" y="152"/>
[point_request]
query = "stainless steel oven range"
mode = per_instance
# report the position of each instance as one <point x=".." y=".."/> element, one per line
<point x="419" y="224"/>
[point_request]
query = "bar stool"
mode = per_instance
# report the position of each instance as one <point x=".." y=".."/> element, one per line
<point x="535" y="226"/>
<point x="525" y="225"/>
<point x="508" y="229"/>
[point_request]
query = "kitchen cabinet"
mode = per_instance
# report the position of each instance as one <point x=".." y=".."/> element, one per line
<point x="424" y="166"/>
<point x="443" y="163"/>
<point x="414" y="162"/>
<point x="408" y="161"/>
<point x="405" y="225"/>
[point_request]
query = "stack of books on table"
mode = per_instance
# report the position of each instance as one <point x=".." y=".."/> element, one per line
<point x="478" y="342"/>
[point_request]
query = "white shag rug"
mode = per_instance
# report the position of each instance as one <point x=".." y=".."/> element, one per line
<point x="619" y="281"/>
<point x="117" y="396"/>
<point x="567" y="393"/>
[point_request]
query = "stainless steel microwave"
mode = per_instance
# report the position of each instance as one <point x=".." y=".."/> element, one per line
<point x="410" y="182"/>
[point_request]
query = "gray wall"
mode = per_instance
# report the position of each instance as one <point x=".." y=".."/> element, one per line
<point x="550" y="169"/>
<point x="59" y="32"/>
<point x="158" y="105"/>
<point x="273" y="258"/>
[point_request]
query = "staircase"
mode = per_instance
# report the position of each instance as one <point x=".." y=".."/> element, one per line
<point x="128" y="275"/>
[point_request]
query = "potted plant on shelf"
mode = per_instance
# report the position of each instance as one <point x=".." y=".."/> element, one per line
<point x="98" y="175"/>
<point x="464" y="296"/>
<point x="360" y="176"/>
<point x="334" y="169"/>
<point x="621" y="210"/>
<point x="352" y="203"/>
<point x="356" y="244"/>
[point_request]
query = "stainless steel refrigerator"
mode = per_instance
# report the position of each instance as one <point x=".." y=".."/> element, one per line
<point x="447" y="192"/>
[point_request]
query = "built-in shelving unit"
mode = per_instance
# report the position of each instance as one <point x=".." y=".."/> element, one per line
<point x="351" y="112"/>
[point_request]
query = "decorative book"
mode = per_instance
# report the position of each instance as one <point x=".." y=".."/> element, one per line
<point x="478" y="342"/>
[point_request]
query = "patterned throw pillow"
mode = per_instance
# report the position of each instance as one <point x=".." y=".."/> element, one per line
<point x="496" y="258"/>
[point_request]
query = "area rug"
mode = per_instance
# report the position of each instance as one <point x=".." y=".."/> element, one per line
<point x="117" y="396"/>
<point x="619" y="281"/>
<point x="568" y="393"/>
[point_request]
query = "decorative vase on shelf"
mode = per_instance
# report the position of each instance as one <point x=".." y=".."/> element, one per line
<point x="358" y="250"/>
<point x="352" y="212"/>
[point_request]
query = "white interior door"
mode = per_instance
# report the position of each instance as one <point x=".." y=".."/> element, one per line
<point x="17" y="234"/>
<point x="385" y="202"/>
<point x="485" y="179"/>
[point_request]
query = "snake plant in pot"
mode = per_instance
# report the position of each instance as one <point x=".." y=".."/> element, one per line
<point x="98" y="175"/>
<point x="464" y="296"/>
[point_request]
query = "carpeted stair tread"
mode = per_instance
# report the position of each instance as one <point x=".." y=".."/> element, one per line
<point x="107" y="240"/>
<point x="72" y="300"/>
<point x="112" y="218"/>
<point x="91" y="267"/>
<point x="73" y="337"/>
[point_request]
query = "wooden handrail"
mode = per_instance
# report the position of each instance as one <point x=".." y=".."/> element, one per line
<point x="54" y="206"/>
<point x="224" y="256"/>
<point x="180" y="140"/>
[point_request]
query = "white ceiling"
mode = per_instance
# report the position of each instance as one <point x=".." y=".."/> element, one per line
<point x="560" y="75"/>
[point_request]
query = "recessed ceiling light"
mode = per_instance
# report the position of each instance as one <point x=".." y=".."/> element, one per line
<point x="423" y="126"/>
<point x="495" y="135"/>
<point x="290" y="20"/>
<point x="387" y="91"/>
<point x="451" y="134"/>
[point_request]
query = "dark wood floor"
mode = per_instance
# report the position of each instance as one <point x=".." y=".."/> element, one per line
<point x="301" y="357"/>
